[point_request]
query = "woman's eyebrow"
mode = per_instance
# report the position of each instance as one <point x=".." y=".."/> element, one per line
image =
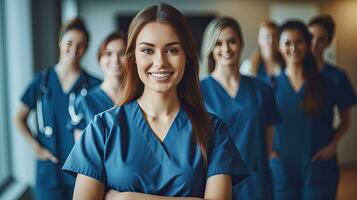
<point x="153" y="45"/>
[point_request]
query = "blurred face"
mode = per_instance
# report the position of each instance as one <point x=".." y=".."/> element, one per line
<point x="319" y="40"/>
<point x="267" y="38"/>
<point x="293" y="47"/>
<point x="72" y="46"/>
<point x="160" y="57"/>
<point x="112" y="59"/>
<point x="227" y="49"/>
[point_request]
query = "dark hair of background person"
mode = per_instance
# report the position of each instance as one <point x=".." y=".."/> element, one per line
<point x="313" y="100"/>
<point x="74" y="24"/>
<point x="327" y="22"/>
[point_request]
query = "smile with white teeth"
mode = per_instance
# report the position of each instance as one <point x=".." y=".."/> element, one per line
<point x="161" y="76"/>
<point x="226" y="55"/>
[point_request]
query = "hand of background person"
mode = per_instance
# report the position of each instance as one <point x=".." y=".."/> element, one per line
<point x="326" y="153"/>
<point x="44" y="154"/>
<point x="273" y="154"/>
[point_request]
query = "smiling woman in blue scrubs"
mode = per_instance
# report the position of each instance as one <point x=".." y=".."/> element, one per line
<point x="305" y="139"/>
<point x="111" y="56"/>
<point x="340" y="87"/>
<point x="160" y="142"/>
<point x="52" y="93"/>
<point x="265" y="63"/>
<point x="246" y="104"/>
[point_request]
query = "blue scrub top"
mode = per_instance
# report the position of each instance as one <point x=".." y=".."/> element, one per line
<point x="300" y="136"/>
<point x="263" y="75"/>
<point x="119" y="149"/>
<point x="247" y="115"/>
<point x="55" y="113"/>
<point x="96" y="101"/>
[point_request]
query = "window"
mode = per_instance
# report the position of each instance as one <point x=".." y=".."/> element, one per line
<point x="5" y="172"/>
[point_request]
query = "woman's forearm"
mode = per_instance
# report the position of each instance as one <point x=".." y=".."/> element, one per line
<point x="343" y="127"/>
<point x="135" y="195"/>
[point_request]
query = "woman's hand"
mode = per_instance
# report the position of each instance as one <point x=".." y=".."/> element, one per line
<point x="273" y="154"/>
<point x="45" y="154"/>
<point x="326" y="153"/>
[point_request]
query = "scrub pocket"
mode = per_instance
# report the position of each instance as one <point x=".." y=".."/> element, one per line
<point x="278" y="173"/>
<point x="322" y="173"/>
<point x="47" y="176"/>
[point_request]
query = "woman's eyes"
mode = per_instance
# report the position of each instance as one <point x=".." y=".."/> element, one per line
<point x="171" y="51"/>
<point x="147" y="51"/>
<point x="107" y="53"/>
<point x="232" y="41"/>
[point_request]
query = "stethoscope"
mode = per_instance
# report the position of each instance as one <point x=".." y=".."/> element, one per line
<point x="47" y="130"/>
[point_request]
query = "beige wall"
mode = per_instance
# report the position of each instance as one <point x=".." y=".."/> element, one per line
<point x="344" y="13"/>
<point x="100" y="18"/>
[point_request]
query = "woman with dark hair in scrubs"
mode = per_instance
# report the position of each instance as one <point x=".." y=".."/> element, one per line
<point x="340" y="87"/>
<point x="306" y="168"/>
<point x="160" y="143"/>
<point x="265" y="63"/>
<point x="111" y="56"/>
<point x="246" y="104"/>
<point x="52" y="93"/>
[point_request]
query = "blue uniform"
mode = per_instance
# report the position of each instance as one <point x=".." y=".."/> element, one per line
<point x="262" y="74"/>
<point x="119" y="149"/>
<point x="50" y="180"/>
<point x="247" y="115"/>
<point x="299" y="137"/>
<point x="96" y="101"/>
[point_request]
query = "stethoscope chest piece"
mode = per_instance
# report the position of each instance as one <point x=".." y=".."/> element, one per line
<point x="48" y="131"/>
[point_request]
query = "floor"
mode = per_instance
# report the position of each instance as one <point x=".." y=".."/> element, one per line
<point x="347" y="189"/>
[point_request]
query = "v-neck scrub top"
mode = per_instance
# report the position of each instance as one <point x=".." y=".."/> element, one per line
<point x="300" y="136"/>
<point x="247" y="115"/>
<point x="55" y="113"/>
<point x="262" y="74"/>
<point x="119" y="149"/>
<point x="95" y="102"/>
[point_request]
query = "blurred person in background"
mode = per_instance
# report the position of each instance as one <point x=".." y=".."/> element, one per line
<point x="52" y="94"/>
<point x="111" y="55"/>
<point x="246" y="104"/>
<point x="265" y="63"/>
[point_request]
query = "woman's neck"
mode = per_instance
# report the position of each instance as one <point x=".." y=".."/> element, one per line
<point x="159" y="105"/>
<point x="226" y="74"/>
<point x="320" y="62"/>
<point x="270" y="64"/>
<point x="67" y="68"/>
<point x="229" y="79"/>
<point x="294" y="71"/>
<point x="113" y="88"/>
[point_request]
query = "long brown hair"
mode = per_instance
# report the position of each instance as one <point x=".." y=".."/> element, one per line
<point x="188" y="89"/>
<point x="256" y="57"/>
<point x="312" y="102"/>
